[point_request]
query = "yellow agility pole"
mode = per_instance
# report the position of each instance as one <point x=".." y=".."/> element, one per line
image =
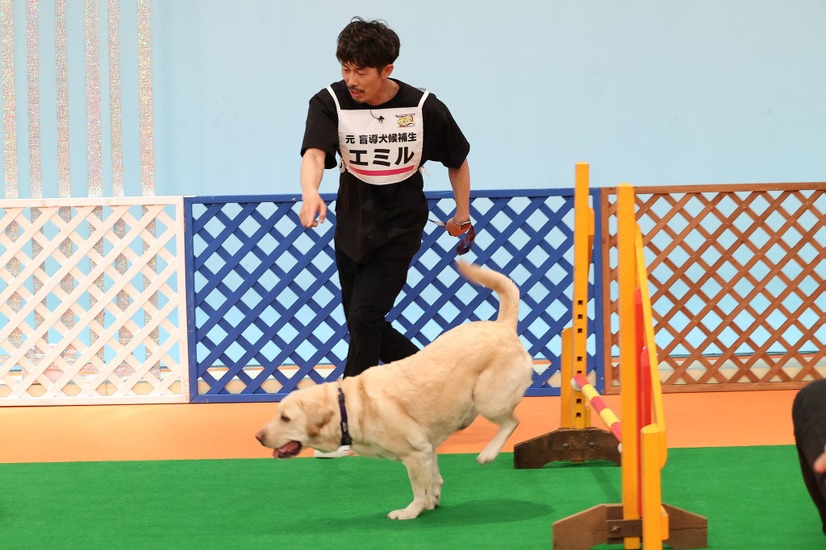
<point x="629" y="369"/>
<point x="574" y="413"/>
<point x="642" y="518"/>
<point x="583" y="247"/>
<point x="576" y="440"/>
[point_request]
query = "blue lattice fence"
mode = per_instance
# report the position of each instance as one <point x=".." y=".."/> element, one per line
<point x="264" y="304"/>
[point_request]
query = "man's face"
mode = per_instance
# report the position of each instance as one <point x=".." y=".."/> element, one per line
<point x="365" y="83"/>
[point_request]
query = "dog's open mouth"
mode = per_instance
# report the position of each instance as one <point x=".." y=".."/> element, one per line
<point x="287" y="451"/>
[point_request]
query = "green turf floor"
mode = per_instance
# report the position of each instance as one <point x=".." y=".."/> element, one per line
<point x="753" y="497"/>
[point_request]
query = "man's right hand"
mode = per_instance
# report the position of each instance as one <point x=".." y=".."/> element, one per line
<point x="820" y="463"/>
<point x="313" y="211"/>
<point x="313" y="208"/>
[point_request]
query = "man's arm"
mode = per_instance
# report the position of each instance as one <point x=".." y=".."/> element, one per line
<point x="312" y="169"/>
<point x="460" y="181"/>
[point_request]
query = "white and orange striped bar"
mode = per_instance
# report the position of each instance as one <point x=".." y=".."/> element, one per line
<point x="581" y="384"/>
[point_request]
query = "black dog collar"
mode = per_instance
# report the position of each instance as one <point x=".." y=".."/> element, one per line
<point x="345" y="430"/>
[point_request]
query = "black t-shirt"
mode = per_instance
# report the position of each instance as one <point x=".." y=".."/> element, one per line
<point x="383" y="219"/>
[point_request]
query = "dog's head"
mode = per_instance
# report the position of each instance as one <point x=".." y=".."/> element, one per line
<point x="303" y="419"/>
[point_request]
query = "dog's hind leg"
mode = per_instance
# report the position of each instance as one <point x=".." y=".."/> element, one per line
<point x="506" y="427"/>
<point x="420" y="470"/>
<point x="496" y="398"/>
<point x="436" y="484"/>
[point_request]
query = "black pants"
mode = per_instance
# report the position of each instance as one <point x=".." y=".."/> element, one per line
<point x="809" y="418"/>
<point x="369" y="291"/>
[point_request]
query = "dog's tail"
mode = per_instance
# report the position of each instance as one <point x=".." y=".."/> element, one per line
<point x="505" y="289"/>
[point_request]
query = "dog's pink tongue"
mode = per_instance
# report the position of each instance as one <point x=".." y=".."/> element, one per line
<point x="289" y="450"/>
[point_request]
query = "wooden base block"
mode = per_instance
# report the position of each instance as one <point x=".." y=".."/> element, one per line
<point x="686" y="529"/>
<point x="567" y="445"/>
<point x="603" y="524"/>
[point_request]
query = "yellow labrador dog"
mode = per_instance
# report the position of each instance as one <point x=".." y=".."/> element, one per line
<point x="404" y="410"/>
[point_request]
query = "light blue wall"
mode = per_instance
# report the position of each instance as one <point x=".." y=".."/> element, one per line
<point x="646" y="91"/>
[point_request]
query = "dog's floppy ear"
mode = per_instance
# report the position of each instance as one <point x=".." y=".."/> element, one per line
<point x="317" y="417"/>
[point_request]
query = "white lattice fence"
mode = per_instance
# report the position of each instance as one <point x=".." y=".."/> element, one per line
<point x="92" y="301"/>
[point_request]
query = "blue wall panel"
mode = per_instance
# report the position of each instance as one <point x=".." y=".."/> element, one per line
<point x="263" y="292"/>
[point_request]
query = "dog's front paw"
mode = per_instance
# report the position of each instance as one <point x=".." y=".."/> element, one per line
<point x="486" y="456"/>
<point x="405" y="513"/>
<point x="436" y="494"/>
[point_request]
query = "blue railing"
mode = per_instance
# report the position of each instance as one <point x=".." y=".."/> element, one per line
<point x="263" y="293"/>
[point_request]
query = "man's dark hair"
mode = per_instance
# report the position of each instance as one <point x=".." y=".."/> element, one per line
<point x="367" y="44"/>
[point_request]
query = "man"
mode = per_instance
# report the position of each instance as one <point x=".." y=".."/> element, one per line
<point x="384" y="130"/>
<point x="809" y="419"/>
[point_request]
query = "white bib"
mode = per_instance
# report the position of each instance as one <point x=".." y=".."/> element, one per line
<point x="380" y="146"/>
